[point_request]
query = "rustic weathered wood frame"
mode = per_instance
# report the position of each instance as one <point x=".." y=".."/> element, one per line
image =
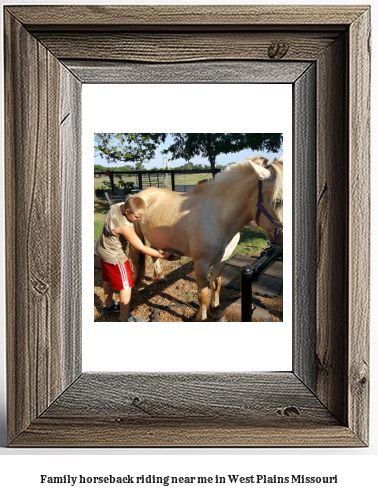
<point x="49" y="52"/>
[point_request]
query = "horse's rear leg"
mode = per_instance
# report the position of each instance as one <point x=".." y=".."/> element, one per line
<point x="158" y="273"/>
<point x="135" y="258"/>
<point x="201" y="270"/>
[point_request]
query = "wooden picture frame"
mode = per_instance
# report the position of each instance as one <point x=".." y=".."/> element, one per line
<point x="323" y="51"/>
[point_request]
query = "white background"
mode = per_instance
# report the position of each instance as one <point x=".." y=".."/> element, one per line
<point x="185" y="346"/>
<point x="356" y="468"/>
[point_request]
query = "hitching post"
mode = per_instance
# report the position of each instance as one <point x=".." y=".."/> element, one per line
<point x="246" y="293"/>
<point x="250" y="274"/>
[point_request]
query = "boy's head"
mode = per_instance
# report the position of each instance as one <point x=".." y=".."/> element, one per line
<point x="134" y="208"/>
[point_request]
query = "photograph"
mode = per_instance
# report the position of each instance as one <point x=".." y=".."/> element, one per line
<point x="168" y="196"/>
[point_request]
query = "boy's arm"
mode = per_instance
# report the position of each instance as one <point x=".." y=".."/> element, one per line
<point x="130" y="235"/>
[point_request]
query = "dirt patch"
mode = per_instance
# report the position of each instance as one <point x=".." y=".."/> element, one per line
<point x="176" y="299"/>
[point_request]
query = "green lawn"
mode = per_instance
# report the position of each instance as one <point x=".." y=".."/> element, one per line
<point x="252" y="241"/>
<point x="101" y="209"/>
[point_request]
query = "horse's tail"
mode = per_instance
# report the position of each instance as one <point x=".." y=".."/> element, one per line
<point x="138" y="259"/>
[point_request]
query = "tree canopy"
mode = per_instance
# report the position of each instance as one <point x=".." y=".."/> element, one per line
<point x="128" y="147"/>
<point x="209" y="146"/>
<point x="271" y="143"/>
<point x="139" y="148"/>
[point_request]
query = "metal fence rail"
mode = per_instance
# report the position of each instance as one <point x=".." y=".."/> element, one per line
<point x="251" y="274"/>
<point x="176" y="180"/>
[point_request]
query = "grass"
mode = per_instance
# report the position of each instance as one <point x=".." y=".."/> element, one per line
<point x="252" y="240"/>
<point x="100" y="211"/>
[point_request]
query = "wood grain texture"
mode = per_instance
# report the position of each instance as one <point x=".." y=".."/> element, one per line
<point x="181" y="47"/>
<point x="223" y="409"/>
<point x="359" y="226"/>
<point x="71" y="227"/>
<point x="173" y="16"/>
<point x="33" y="242"/>
<point x="332" y="230"/>
<point x="242" y="397"/>
<point x="100" y="432"/>
<point x="324" y="401"/>
<point x="200" y="72"/>
<point x="304" y="227"/>
<point x="32" y="300"/>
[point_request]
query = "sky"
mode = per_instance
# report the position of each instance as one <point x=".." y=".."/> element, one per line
<point x="222" y="159"/>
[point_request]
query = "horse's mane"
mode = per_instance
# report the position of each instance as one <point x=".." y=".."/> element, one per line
<point x="245" y="168"/>
<point x="277" y="168"/>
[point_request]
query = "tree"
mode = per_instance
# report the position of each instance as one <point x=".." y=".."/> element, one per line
<point x="187" y="146"/>
<point x="209" y="146"/>
<point x="271" y="143"/>
<point x="99" y="168"/>
<point x="127" y="147"/>
<point x="139" y="166"/>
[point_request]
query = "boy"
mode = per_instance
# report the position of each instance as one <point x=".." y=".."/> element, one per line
<point x="111" y="247"/>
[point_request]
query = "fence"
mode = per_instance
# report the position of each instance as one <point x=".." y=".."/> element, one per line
<point x="175" y="180"/>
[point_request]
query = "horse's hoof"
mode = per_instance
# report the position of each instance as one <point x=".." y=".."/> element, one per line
<point x="216" y="313"/>
<point x="223" y="319"/>
<point x="162" y="281"/>
<point x="200" y="319"/>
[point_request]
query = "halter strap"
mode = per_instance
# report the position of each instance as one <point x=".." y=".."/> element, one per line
<point x="261" y="209"/>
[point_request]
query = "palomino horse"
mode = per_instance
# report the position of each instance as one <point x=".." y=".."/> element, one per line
<point x="204" y="223"/>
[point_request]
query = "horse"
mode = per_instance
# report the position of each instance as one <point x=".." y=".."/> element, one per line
<point x="204" y="223"/>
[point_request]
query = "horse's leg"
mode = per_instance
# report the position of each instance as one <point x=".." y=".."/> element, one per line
<point x="158" y="273"/>
<point x="137" y="259"/>
<point x="215" y="285"/>
<point x="134" y="257"/>
<point x="215" y="280"/>
<point x="201" y="269"/>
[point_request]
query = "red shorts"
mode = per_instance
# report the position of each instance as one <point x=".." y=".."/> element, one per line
<point x="119" y="275"/>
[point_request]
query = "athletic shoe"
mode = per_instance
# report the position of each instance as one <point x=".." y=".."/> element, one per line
<point x="114" y="308"/>
<point x="132" y="319"/>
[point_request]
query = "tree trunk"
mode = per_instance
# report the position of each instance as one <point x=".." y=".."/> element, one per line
<point x="212" y="164"/>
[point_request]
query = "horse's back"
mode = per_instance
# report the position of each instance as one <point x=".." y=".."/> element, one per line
<point x="156" y="195"/>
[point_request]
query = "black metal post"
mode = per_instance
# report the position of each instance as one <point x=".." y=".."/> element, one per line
<point x="140" y="186"/>
<point x="246" y="275"/>
<point x="173" y="180"/>
<point x="251" y="274"/>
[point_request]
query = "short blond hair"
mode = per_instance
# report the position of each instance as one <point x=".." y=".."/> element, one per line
<point x="135" y="205"/>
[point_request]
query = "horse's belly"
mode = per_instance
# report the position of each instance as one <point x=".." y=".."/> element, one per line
<point x="167" y="239"/>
